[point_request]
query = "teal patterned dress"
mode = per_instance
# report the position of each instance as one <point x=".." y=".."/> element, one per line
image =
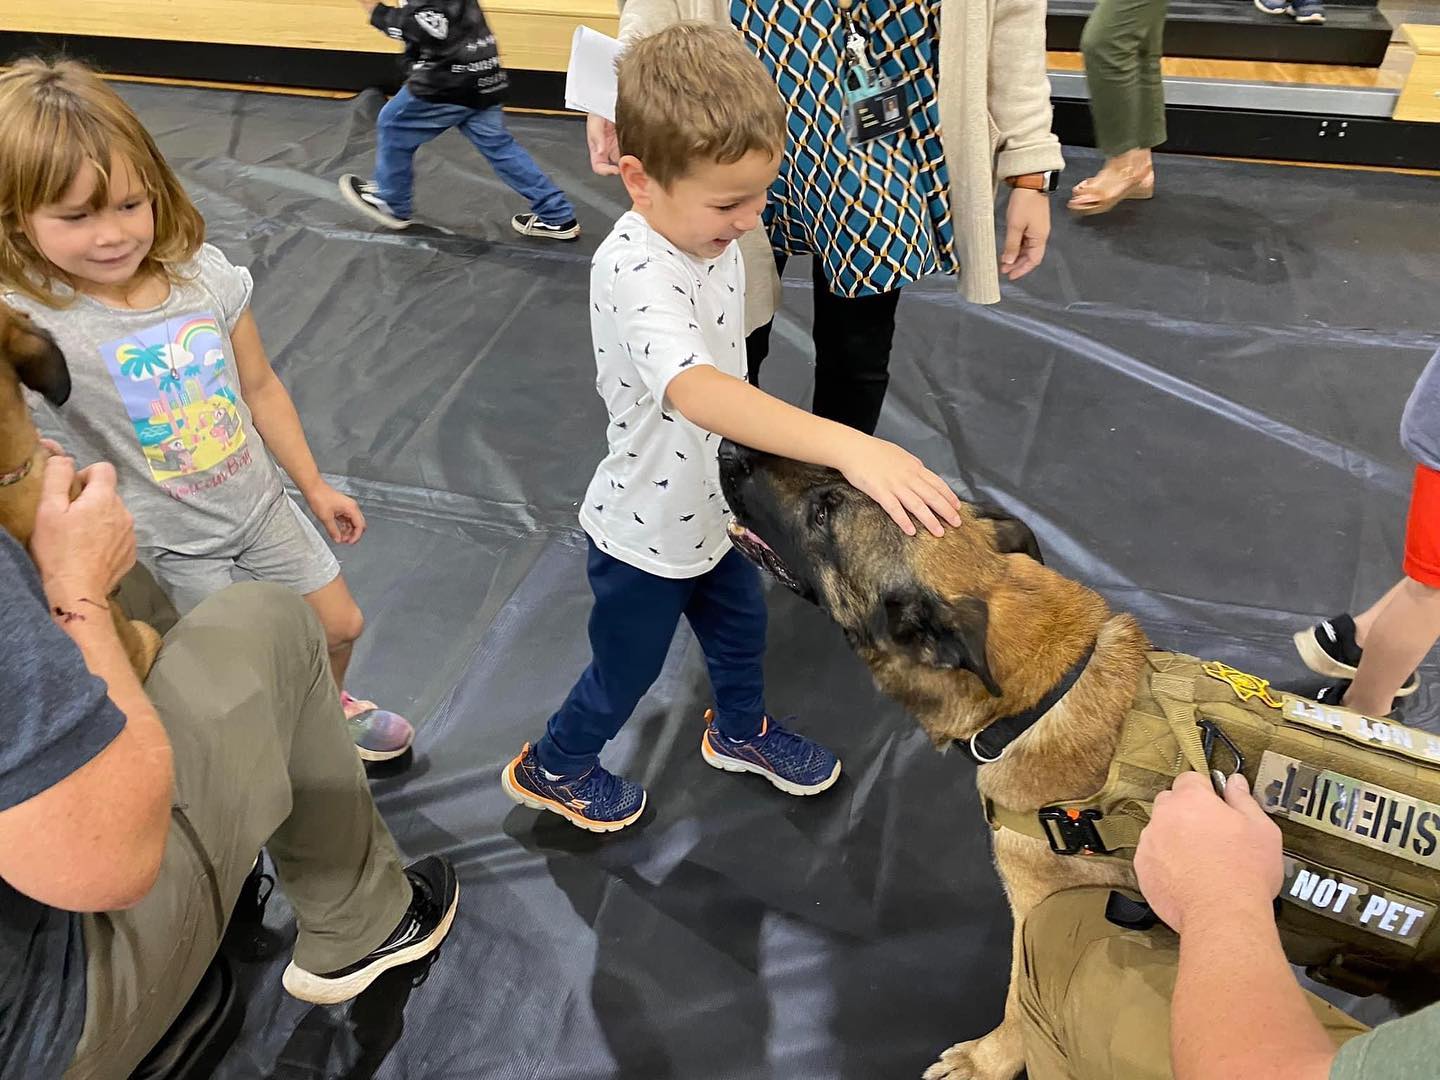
<point x="876" y="215"/>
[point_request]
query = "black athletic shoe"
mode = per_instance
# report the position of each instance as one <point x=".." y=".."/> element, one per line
<point x="365" y="197"/>
<point x="1328" y="648"/>
<point x="432" y="910"/>
<point x="531" y="225"/>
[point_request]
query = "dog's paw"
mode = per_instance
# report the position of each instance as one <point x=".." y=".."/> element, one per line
<point x="971" y="1060"/>
<point x="954" y="1064"/>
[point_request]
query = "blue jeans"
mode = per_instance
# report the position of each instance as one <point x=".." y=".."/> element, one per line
<point x="631" y="626"/>
<point x="408" y="123"/>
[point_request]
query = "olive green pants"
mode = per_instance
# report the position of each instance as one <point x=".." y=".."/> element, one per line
<point x="1122" y="43"/>
<point x="262" y="758"/>
<point x="1096" y="997"/>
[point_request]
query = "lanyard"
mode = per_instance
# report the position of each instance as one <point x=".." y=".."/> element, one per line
<point x="857" y="53"/>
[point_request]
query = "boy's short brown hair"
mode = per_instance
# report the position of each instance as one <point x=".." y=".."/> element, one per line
<point x="693" y="92"/>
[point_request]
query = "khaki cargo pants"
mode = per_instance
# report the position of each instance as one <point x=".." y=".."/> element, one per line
<point x="1096" y="997"/>
<point x="262" y="759"/>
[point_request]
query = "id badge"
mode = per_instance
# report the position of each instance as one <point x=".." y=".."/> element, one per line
<point x="874" y="106"/>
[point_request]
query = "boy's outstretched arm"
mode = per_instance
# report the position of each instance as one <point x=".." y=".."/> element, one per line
<point x="893" y="477"/>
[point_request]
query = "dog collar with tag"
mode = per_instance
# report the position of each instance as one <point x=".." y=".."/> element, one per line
<point x="990" y="743"/>
<point x="16" y="475"/>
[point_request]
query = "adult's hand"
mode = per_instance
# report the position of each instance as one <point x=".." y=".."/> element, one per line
<point x="604" y="149"/>
<point x="84" y="546"/>
<point x="1203" y="854"/>
<point x="1027" y="231"/>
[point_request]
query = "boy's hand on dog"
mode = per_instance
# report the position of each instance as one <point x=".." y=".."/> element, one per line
<point x="338" y="513"/>
<point x="84" y="546"/>
<point x="1203" y="855"/>
<point x="902" y="485"/>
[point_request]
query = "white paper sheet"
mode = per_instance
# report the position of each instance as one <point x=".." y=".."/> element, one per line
<point x="590" y="79"/>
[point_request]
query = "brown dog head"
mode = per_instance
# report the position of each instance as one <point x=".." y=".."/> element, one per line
<point x="33" y="355"/>
<point x="920" y="601"/>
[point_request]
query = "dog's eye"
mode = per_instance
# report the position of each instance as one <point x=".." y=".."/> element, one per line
<point x="820" y="516"/>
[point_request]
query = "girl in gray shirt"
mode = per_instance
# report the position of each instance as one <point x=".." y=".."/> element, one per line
<point x="101" y="246"/>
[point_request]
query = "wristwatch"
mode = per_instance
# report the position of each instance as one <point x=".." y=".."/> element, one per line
<point x="1045" y="182"/>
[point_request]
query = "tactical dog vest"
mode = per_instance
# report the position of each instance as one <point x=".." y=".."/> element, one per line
<point x="1357" y="801"/>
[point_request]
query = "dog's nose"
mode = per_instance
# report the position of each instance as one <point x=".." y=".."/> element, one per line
<point x="736" y="460"/>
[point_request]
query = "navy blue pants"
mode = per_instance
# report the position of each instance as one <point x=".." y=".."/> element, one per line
<point x="631" y="627"/>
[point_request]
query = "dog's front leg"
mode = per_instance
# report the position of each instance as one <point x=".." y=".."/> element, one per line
<point x="1000" y="1055"/>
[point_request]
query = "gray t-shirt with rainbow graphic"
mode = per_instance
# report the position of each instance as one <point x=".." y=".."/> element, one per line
<point x="156" y="394"/>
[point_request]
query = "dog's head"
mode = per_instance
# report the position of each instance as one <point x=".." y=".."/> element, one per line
<point x="31" y="353"/>
<point x="920" y="599"/>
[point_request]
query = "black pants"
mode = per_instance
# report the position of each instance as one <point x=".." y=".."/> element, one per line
<point x="852" y="352"/>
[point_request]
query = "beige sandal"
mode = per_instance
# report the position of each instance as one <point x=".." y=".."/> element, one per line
<point x="1088" y="198"/>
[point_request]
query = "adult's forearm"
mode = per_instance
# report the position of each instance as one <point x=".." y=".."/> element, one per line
<point x="1237" y="1009"/>
<point x="88" y="623"/>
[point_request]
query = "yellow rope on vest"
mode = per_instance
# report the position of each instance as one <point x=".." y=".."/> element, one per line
<point x="1245" y="686"/>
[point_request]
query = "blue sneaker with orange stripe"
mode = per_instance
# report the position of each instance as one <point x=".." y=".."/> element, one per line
<point x="596" y="799"/>
<point x="794" y="764"/>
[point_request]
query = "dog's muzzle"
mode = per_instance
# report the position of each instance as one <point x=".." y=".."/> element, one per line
<point x="763" y="555"/>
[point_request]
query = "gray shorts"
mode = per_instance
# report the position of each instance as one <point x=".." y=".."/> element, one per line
<point x="283" y="547"/>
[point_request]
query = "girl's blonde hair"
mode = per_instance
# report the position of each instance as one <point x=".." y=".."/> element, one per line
<point x="54" y="120"/>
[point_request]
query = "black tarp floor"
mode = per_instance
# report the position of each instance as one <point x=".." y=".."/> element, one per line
<point x="1194" y="402"/>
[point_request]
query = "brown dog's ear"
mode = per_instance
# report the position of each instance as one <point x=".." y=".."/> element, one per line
<point x="37" y="360"/>
<point x="940" y="634"/>
<point x="1012" y="536"/>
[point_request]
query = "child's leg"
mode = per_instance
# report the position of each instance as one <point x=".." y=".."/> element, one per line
<point x="1405" y="631"/>
<point x="1366" y="619"/>
<point x="631" y="627"/>
<point x="407" y="123"/>
<point x="1407" y="624"/>
<point x="486" y="129"/>
<point x="728" y="615"/>
<point x="342" y="621"/>
<point x="285" y="548"/>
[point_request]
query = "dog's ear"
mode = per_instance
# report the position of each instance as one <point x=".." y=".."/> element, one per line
<point x="1012" y="536"/>
<point x="940" y="634"/>
<point x="37" y="360"/>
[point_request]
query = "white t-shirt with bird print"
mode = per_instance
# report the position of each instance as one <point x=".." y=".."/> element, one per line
<point x="656" y="312"/>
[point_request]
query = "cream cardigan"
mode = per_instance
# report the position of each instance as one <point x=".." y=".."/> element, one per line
<point x="994" y="122"/>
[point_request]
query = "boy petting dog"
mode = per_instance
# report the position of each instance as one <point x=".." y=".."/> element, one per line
<point x="700" y="127"/>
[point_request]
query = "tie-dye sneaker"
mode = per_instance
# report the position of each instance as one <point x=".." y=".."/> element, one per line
<point x="379" y="734"/>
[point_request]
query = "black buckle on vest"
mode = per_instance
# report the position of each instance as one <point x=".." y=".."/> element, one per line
<point x="1072" y="832"/>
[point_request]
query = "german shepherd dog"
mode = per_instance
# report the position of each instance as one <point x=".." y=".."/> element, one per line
<point x="30" y="357"/>
<point x="961" y="630"/>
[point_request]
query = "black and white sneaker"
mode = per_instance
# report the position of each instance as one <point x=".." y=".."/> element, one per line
<point x="364" y="196"/>
<point x="531" y="225"/>
<point x="431" y="911"/>
<point x="1329" y="648"/>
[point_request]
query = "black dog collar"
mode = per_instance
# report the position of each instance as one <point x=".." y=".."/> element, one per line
<point x="989" y="744"/>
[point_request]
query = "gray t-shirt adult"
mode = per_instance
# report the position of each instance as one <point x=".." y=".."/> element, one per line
<point x="56" y="718"/>
<point x="1403" y="1049"/>
<point x="1420" y="425"/>
<point x="156" y="394"/>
